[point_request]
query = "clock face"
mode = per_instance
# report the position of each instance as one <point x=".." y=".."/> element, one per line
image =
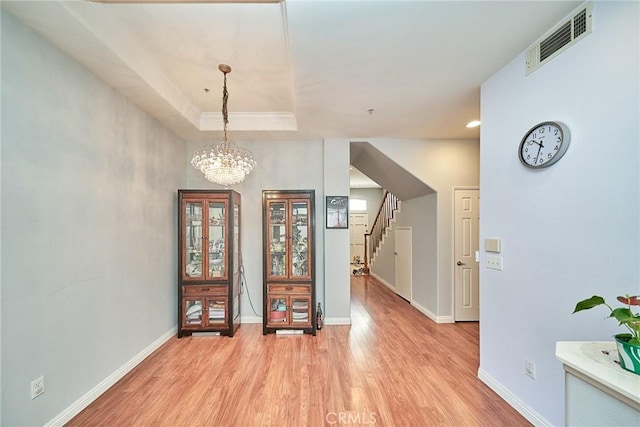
<point x="544" y="144"/>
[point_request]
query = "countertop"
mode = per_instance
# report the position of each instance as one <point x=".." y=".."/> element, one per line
<point x="599" y="361"/>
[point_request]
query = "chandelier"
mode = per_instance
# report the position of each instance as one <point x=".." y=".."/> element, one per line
<point x="224" y="163"/>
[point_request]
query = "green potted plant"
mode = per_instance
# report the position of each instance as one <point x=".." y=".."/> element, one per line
<point x="628" y="343"/>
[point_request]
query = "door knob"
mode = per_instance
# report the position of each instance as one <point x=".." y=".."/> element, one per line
<point x="459" y="263"/>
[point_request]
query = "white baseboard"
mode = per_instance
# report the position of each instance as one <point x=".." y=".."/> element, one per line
<point x="438" y="319"/>
<point x="532" y="416"/>
<point x="384" y="282"/>
<point x="250" y="319"/>
<point x="76" y="407"/>
<point x="329" y="321"/>
<point x="420" y="308"/>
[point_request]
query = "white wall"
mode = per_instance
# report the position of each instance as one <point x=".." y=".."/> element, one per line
<point x="569" y="231"/>
<point x="442" y="165"/>
<point x="88" y="228"/>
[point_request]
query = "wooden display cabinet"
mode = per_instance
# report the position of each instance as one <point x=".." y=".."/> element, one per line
<point x="288" y="260"/>
<point x="209" y="261"/>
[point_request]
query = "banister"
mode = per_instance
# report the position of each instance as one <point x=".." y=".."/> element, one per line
<point x="383" y="219"/>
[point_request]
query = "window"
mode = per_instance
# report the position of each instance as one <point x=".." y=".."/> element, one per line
<point x="357" y="205"/>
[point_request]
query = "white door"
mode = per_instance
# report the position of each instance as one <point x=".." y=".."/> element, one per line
<point x="403" y="253"/>
<point x="466" y="225"/>
<point x="358" y="225"/>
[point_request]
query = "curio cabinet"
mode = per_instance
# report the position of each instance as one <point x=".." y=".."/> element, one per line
<point x="288" y="260"/>
<point x="209" y="261"/>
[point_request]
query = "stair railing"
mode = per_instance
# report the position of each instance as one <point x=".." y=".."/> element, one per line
<point x="373" y="238"/>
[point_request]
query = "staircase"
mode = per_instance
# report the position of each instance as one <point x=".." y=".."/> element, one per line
<point x="373" y="240"/>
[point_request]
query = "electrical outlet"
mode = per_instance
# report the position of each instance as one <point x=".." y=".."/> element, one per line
<point x="494" y="262"/>
<point x="37" y="387"/>
<point x="530" y="369"/>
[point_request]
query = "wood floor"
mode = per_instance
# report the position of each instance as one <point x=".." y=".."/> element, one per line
<point x="392" y="367"/>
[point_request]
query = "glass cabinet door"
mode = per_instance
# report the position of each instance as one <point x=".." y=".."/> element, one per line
<point x="193" y="240"/>
<point x="216" y="234"/>
<point x="299" y="239"/>
<point x="277" y="239"/>
<point x="300" y="310"/>
<point x="278" y="311"/>
<point x="192" y="311"/>
<point x="217" y="311"/>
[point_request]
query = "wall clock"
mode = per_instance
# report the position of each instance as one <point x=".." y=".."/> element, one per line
<point x="544" y="144"/>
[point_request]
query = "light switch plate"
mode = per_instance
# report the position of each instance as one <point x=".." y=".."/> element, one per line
<point x="494" y="262"/>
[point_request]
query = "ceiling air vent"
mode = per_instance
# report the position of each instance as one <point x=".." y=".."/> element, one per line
<point x="560" y="38"/>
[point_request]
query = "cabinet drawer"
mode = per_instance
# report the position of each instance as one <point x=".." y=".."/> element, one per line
<point x="204" y="290"/>
<point x="295" y="289"/>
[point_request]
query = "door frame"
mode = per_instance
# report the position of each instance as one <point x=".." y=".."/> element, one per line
<point x="453" y="244"/>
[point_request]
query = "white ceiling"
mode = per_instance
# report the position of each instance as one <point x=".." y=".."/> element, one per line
<point x="359" y="180"/>
<point x="301" y="69"/>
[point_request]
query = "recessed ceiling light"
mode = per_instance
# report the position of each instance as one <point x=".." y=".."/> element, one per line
<point x="473" y="124"/>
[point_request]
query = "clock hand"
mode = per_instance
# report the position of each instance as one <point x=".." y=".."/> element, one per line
<point x="539" y="148"/>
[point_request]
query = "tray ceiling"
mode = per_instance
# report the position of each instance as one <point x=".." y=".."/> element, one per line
<point x="301" y="69"/>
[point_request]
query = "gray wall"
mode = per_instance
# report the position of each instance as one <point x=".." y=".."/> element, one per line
<point x="572" y="230"/>
<point x="88" y="228"/>
<point x="337" y="270"/>
<point x="420" y="214"/>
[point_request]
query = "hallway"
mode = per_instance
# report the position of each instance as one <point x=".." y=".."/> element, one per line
<point x="391" y="367"/>
<point x="426" y="386"/>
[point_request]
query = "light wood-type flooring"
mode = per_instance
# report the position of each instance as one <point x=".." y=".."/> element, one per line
<point x="392" y="367"/>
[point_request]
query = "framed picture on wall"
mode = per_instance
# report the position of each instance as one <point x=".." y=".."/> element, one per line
<point x="337" y="211"/>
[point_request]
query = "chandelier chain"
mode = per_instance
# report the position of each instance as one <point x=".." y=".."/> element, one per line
<point x="224" y="163"/>
<point x="225" y="99"/>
